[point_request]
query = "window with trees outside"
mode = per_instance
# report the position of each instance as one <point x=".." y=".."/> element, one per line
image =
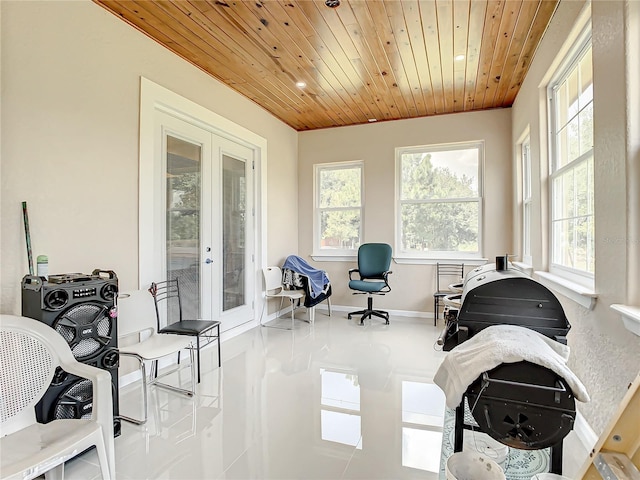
<point x="439" y="200"/>
<point x="571" y="170"/>
<point x="338" y="212"/>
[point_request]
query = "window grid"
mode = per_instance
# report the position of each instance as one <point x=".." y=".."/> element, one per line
<point x="571" y="178"/>
<point x="439" y="200"/>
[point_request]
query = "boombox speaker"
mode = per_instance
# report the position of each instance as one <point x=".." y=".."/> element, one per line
<point x="81" y="309"/>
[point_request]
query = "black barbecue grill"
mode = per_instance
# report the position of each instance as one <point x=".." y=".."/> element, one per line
<point x="522" y="405"/>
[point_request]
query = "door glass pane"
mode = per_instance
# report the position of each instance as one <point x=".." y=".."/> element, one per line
<point x="184" y="177"/>
<point x="234" y="198"/>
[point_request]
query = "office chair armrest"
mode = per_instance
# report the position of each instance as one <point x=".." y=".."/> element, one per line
<point x="353" y="270"/>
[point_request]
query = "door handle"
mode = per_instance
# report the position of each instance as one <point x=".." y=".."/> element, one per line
<point x="208" y="260"/>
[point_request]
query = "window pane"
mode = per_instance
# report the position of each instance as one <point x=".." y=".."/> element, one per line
<point x="340" y="187"/>
<point x="580" y="248"/>
<point x="562" y="240"/>
<point x="573" y="140"/>
<point x="440" y="227"/>
<point x="581" y="186"/>
<point x="527" y="230"/>
<point x="439" y="175"/>
<point x="563" y="196"/>
<point x="586" y="129"/>
<point x="586" y="79"/>
<point x="340" y="229"/>
<point x="572" y="94"/>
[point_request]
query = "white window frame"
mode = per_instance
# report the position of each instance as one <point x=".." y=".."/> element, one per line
<point x="582" y="44"/>
<point x="402" y="256"/>
<point x="525" y="155"/>
<point x="320" y="253"/>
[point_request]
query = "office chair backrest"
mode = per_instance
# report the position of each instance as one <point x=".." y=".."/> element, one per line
<point x="373" y="259"/>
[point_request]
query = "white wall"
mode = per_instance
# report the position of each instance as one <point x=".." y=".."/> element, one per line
<point x="70" y="100"/>
<point x="604" y="355"/>
<point x="412" y="285"/>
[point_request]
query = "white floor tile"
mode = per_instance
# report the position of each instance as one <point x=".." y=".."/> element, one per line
<point x="334" y="400"/>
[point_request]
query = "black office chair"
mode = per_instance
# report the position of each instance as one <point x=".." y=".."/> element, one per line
<point x="169" y="291"/>
<point x="451" y="273"/>
<point x="374" y="260"/>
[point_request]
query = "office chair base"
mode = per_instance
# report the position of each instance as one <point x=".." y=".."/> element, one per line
<point x="370" y="312"/>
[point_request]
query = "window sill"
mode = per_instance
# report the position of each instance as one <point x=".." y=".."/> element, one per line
<point x="523" y="267"/>
<point x="630" y="316"/>
<point x="578" y="293"/>
<point x="433" y="261"/>
<point x="323" y="257"/>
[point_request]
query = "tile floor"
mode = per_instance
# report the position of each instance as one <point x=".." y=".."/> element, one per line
<point x="330" y="401"/>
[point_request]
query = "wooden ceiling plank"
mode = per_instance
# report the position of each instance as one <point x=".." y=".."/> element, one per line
<point x="444" y="12"/>
<point x="378" y="13"/>
<point x="330" y="87"/>
<point x="415" y="32"/>
<point x="539" y="25"/>
<point x="320" y="82"/>
<point x="240" y="48"/>
<point x="258" y="61"/>
<point x="380" y="87"/>
<point x="365" y="37"/>
<point x="503" y="41"/>
<point x="396" y="14"/>
<point x="490" y="31"/>
<point x="352" y="54"/>
<point x="474" y="41"/>
<point x="432" y="47"/>
<point x="331" y="53"/>
<point x="461" y="14"/>
<point x="324" y="61"/>
<point x="253" y="92"/>
<point x="138" y="21"/>
<point x="287" y="68"/>
<point x="520" y="31"/>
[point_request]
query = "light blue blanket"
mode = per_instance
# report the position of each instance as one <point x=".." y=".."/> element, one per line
<point x="317" y="278"/>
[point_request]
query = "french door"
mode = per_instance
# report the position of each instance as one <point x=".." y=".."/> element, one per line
<point x="208" y="228"/>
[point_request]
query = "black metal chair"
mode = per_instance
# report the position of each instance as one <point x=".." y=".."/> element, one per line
<point x="451" y="273"/>
<point x="169" y="291"/>
<point x="374" y="260"/>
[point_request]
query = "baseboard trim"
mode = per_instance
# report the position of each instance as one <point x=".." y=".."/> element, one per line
<point x="584" y="432"/>
<point x="395" y="313"/>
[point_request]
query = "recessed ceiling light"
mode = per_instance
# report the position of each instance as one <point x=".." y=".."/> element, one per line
<point x="459" y="57"/>
<point x="301" y="84"/>
<point x="332" y="3"/>
<point x="371" y="120"/>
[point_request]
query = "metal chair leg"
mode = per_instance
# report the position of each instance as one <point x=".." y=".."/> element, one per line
<point x="198" y="351"/>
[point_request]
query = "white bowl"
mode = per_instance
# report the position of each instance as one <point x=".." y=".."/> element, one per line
<point x="472" y="466"/>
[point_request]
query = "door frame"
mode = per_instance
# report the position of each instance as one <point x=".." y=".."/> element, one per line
<point x="153" y="98"/>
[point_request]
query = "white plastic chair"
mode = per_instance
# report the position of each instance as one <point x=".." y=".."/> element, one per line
<point x="274" y="289"/>
<point x="30" y="351"/>
<point x="150" y="347"/>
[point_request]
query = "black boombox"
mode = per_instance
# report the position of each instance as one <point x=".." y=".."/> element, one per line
<point x="81" y="308"/>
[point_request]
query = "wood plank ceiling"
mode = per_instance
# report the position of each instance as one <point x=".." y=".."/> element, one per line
<point x="366" y="60"/>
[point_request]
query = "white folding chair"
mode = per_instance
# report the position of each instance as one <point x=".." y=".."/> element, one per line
<point x="30" y="352"/>
<point x="150" y="347"/>
<point x="274" y="289"/>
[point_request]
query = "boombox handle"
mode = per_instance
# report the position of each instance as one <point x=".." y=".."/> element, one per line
<point x="111" y="274"/>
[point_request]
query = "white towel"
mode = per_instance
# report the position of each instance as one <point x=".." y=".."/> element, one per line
<point x="499" y="344"/>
